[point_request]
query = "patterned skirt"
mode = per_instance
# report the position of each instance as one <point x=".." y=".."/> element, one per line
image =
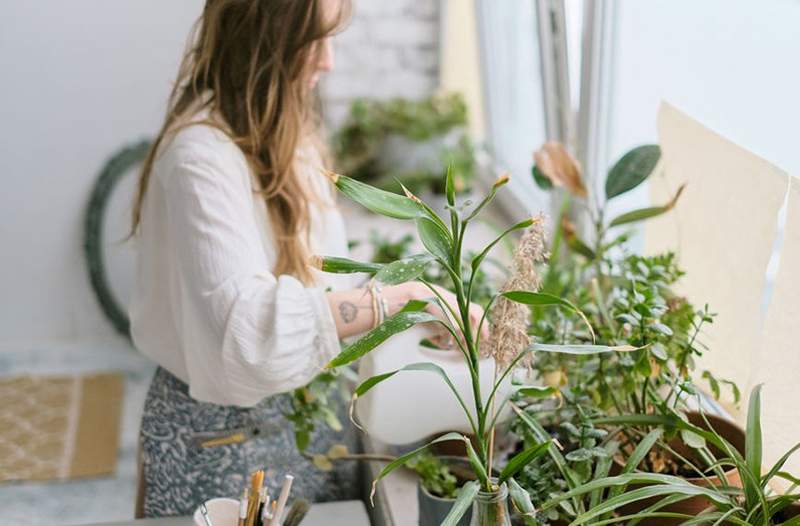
<point x="193" y="451"/>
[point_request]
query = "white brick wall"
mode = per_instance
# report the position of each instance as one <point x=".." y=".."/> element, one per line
<point x="389" y="49"/>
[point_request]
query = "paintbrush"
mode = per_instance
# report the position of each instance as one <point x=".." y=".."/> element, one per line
<point x="257" y="482"/>
<point x="297" y="512"/>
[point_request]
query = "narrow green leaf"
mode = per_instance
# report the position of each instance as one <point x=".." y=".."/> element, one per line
<point x="522" y="459"/>
<point x="449" y="187"/>
<point x="647" y="492"/>
<point x="536" y="391"/>
<point x="501" y="181"/>
<point x="581" y="349"/>
<point x="540" y="299"/>
<point x="578" y="246"/>
<point x="394" y="324"/>
<point x="641" y="450"/>
<point x="778" y="465"/>
<point x="646" y="213"/>
<point x="753" y="443"/>
<point x="435" y="239"/>
<point x="477" y="260"/>
<point x="415" y="306"/>
<point x="404" y="270"/>
<point x="401" y="460"/>
<point x="337" y="265"/>
<point x="466" y="495"/>
<point x="378" y="201"/>
<point x="475" y="462"/>
<point x="632" y="169"/>
<point x="601" y="470"/>
<point x="521" y="500"/>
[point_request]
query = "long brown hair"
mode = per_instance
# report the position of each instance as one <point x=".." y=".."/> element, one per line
<point x="248" y="64"/>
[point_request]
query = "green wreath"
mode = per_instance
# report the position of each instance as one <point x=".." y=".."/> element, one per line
<point x="110" y="175"/>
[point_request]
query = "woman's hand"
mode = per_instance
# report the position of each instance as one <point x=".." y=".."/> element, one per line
<point x="353" y="312"/>
<point x="419" y="291"/>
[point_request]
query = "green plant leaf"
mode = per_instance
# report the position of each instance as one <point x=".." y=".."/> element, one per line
<point x="753" y="445"/>
<point x="581" y="349"/>
<point x="536" y="391"/>
<point x="501" y="181"/>
<point x="449" y="187"/>
<point x="522" y="459"/>
<point x="541" y="299"/>
<point x="435" y="239"/>
<point x="337" y="265"/>
<point x="578" y="246"/>
<point x="477" y="260"/>
<point x="466" y="495"/>
<point x="378" y="201"/>
<point x="401" y="460"/>
<point x="632" y="169"/>
<point x="541" y="180"/>
<point x="403" y="270"/>
<point x="369" y="383"/>
<point x="646" y="213"/>
<point x="394" y="324"/>
<point x="778" y="465"/>
<point x="475" y="462"/>
<point x="693" y="440"/>
<point x="521" y="500"/>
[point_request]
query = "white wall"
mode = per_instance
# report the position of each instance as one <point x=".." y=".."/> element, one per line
<point x="81" y="78"/>
<point x="732" y="64"/>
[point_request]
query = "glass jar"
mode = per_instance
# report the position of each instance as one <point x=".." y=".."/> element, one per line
<point x="491" y="508"/>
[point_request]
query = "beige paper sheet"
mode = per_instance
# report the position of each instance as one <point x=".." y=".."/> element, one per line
<point x="777" y="365"/>
<point x="723" y="230"/>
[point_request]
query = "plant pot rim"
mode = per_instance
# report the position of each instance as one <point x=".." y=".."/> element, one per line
<point x="454" y="459"/>
<point x="712" y="479"/>
<point x="431" y="495"/>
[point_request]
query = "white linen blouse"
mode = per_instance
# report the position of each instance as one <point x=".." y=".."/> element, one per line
<point x="207" y="306"/>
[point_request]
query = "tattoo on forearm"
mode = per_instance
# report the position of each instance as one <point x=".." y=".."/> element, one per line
<point x="348" y="311"/>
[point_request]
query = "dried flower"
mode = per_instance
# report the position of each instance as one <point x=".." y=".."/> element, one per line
<point x="509" y="333"/>
<point x="556" y="163"/>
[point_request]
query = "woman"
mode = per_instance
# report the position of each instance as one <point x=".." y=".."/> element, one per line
<point x="232" y="204"/>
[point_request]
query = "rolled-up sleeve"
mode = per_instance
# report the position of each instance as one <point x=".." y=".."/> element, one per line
<point x="246" y="333"/>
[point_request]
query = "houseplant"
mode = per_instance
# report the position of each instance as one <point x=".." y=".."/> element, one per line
<point x="628" y="299"/>
<point x="383" y="142"/>
<point x="443" y="245"/>
<point x="755" y="503"/>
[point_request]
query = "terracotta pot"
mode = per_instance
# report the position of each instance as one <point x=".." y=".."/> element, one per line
<point x="694" y="505"/>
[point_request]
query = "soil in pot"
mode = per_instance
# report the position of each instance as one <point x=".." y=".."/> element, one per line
<point x="671" y="465"/>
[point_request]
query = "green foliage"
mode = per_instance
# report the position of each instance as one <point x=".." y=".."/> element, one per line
<point x="357" y="144"/>
<point x="434" y="475"/>
<point x="632" y="170"/>
<point x="315" y="403"/>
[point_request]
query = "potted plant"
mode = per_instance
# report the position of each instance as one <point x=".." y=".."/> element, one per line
<point x="507" y="315"/>
<point x="628" y="299"/>
<point x="407" y="141"/>
<point x="440" y="480"/>
<point x="755" y="503"/>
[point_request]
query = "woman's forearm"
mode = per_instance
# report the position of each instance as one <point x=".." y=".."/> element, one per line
<point x="353" y="310"/>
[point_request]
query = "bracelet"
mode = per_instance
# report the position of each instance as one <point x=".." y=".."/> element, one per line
<point x="378" y="313"/>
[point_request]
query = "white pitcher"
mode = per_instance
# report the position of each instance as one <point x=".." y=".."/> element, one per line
<point x="413" y="405"/>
